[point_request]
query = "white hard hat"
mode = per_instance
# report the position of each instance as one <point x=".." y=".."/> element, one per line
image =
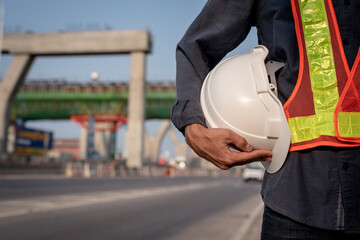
<point x="237" y="95"/>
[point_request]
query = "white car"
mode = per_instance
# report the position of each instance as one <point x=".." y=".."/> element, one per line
<point x="253" y="171"/>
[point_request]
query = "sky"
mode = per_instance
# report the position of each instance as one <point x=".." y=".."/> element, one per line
<point x="166" y="20"/>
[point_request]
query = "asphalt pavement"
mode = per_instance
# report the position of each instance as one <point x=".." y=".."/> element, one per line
<point x="130" y="208"/>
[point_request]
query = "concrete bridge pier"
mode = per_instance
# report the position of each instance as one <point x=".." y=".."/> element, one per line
<point x="12" y="80"/>
<point x="153" y="143"/>
<point x="134" y="137"/>
<point x="104" y="140"/>
<point x="83" y="143"/>
<point x="181" y="149"/>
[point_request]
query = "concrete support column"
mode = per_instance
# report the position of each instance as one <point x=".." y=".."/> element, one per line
<point x="180" y="148"/>
<point x="83" y="143"/>
<point x="104" y="144"/>
<point x="12" y="80"/>
<point x="11" y="139"/>
<point x="134" y="144"/>
<point x="153" y="143"/>
<point x="104" y="140"/>
<point x="149" y="142"/>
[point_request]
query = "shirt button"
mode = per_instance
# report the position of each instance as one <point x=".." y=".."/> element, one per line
<point x="345" y="166"/>
<point x="347" y="2"/>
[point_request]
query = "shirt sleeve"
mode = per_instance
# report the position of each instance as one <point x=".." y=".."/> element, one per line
<point x="219" y="28"/>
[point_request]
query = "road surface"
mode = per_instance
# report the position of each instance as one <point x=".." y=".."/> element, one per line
<point x="223" y="208"/>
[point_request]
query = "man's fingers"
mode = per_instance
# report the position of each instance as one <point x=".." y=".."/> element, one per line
<point x="239" y="142"/>
<point x="248" y="157"/>
<point x="220" y="165"/>
<point x="213" y="145"/>
<point x="235" y="158"/>
<point x="255" y="155"/>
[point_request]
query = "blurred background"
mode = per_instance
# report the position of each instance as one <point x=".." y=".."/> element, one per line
<point x="76" y="134"/>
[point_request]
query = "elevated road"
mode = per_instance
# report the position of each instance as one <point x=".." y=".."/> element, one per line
<point x="61" y="100"/>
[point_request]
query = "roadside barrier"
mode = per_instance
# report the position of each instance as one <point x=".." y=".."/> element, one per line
<point x="111" y="170"/>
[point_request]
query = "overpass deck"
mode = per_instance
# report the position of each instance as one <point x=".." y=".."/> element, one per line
<point x="59" y="100"/>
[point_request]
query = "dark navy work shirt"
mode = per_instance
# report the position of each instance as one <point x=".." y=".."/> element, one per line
<point x="318" y="187"/>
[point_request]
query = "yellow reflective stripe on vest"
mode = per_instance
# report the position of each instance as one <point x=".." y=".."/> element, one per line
<point x="349" y="124"/>
<point x="322" y="74"/>
<point x="311" y="127"/>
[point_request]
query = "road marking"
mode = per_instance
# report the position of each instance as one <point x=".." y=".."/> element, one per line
<point x="24" y="206"/>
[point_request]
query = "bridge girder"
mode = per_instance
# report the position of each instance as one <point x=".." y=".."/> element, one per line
<point x="37" y="101"/>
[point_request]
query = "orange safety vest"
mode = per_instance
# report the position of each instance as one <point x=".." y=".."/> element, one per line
<point x="324" y="108"/>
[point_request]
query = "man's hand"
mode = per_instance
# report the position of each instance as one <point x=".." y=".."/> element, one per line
<point x="213" y="145"/>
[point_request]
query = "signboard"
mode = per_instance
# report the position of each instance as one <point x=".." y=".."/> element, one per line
<point x="32" y="141"/>
<point x="90" y="148"/>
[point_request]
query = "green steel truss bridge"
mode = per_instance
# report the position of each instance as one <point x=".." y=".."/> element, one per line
<point x="37" y="100"/>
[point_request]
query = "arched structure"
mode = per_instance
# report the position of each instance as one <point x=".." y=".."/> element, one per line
<point x="153" y="143"/>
